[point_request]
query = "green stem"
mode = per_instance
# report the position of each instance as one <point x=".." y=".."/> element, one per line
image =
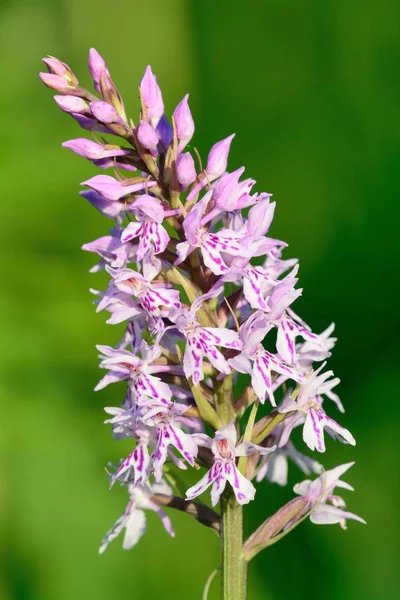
<point x="234" y="567"/>
<point x="224" y="398"/>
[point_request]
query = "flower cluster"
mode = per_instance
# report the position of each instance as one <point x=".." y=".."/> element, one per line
<point x="204" y="295"/>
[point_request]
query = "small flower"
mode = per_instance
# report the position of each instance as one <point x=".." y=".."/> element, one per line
<point x="326" y="508"/>
<point x="121" y="306"/>
<point x="252" y="332"/>
<point x="308" y="410"/>
<point x="166" y="420"/>
<point x="211" y="245"/>
<point x="224" y="468"/>
<point x="148" y="227"/>
<point x="201" y="343"/>
<point x="112" y="251"/>
<point x="134" y="520"/>
<point x="151" y="296"/>
<point x="124" y="365"/>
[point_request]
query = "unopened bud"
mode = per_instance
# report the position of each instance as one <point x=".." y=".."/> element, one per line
<point x="185" y="170"/>
<point x="104" y="112"/>
<point x="147" y="137"/>
<point x="97" y="66"/>
<point x="151" y="97"/>
<point x="184" y="123"/>
<point x="58" y="84"/>
<point x="227" y="189"/>
<point x="92" y="150"/>
<point x="165" y="131"/>
<point x="72" y="104"/>
<point x="218" y="158"/>
<point x="61" y="69"/>
<point x="111" y="189"/>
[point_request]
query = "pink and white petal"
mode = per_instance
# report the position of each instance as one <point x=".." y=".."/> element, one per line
<point x="304" y="463"/>
<point x="227" y="432"/>
<point x="183" y="249"/>
<point x="340" y="432"/>
<point x="285" y="344"/>
<point x="204" y="483"/>
<point x="248" y="449"/>
<point x="151" y="267"/>
<point x="213" y="260"/>
<point x="131" y="231"/>
<point x="160" y="455"/>
<point x="313" y="430"/>
<point x="328" y="480"/>
<point x="253" y="293"/>
<point x="139" y="459"/>
<point x="113" y="377"/>
<point x="243" y="488"/>
<point x="192" y="221"/>
<point x="305" y="488"/>
<point x="155" y="388"/>
<point x="166" y="521"/>
<point x="261" y="382"/>
<point x="123" y="313"/>
<point x="277" y="469"/>
<point x="144" y="244"/>
<point x="160" y="237"/>
<point x="193" y="362"/>
<point x="217" y="359"/>
<point x="162" y="487"/>
<point x="325" y="514"/>
<point x="202" y="439"/>
<point x="183" y="442"/>
<point x="112" y="533"/>
<point x="221" y="336"/>
<point x="241" y="364"/>
<point x="218" y="488"/>
<point x="335" y="398"/>
<point x="135" y="527"/>
<point x="178" y="462"/>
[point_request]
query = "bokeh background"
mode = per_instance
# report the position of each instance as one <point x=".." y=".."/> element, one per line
<point x="312" y="90"/>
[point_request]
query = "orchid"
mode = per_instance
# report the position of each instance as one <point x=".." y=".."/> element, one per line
<point x="134" y="519"/>
<point x="224" y="468"/>
<point x="201" y="343"/>
<point x="307" y="409"/>
<point x="327" y="508"/>
<point x="204" y="298"/>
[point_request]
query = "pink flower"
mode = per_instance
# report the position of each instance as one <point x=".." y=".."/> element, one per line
<point x="224" y="469"/>
<point x="201" y="343"/>
<point x="326" y="508"/>
<point x="133" y="521"/>
<point x="148" y="227"/>
<point x="308" y="410"/>
<point x="212" y="245"/>
<point x="258" y="362"/>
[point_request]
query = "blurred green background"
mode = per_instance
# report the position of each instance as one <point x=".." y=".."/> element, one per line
<point x="312" y="90"/>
